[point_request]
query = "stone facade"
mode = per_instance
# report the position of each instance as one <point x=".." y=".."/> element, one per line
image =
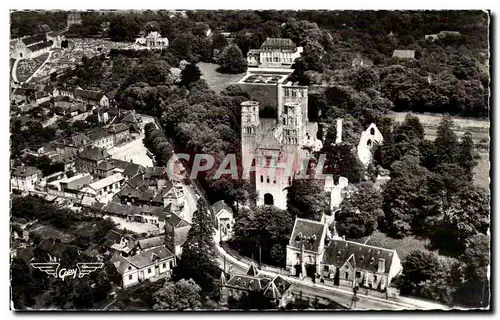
<point x="274" y="53"/>
<point x="281" y="143"/>
<point x="315" y="253"/>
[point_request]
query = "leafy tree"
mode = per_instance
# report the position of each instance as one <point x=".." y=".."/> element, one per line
<point x="475" y="291"/>
<point x="198" y="255"/>
<point x="342" y="161"/>
<point x="477" y="257"/>
<point x="418" y="267"/>
<point x="360" y="212"/>
<point x="307" y="199"/>
<point x="448" y="181"/>
<point x="467" y="155"/>
<point x="407" y="201"/>
<point x="467" y="215"/>
<point x="446" y="142"/>
<point x="411" y="127"/>
<point x="231" y="60"/>
<point x="364" y="78"/>
<point x="442" y="286"/>
<point x="191" y="73"/>
<point x="182" y="295"/>
<point x="23" y="288"/>
<point x="219" y="42"/>
<point x="313" y="55"/>
<point x="263" y="234"/>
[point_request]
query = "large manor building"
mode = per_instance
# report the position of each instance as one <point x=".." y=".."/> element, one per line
<point x="274" y="53"/>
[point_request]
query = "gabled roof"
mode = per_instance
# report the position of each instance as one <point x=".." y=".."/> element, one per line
<point x="117" y="177"/>
<point x="33" y="39"/>
<point x="278" y="44"/>
<point x="117" y="128"/>
<point x="24" y="171"/>
<point x="94" y="153"/>
<point x="106" y="166"/>
<point x="89" y="95"/>
<point x="219" y="206"/>
<point x="39" y="95"/>
<point x="114" y="236"/>
<point x="407" y="54"/>
<point x="135" y="180"/>
<point x="252" y="270"/>
<point x="40" y="46"/>
<point x="151" y="242"/>
<point x="309" y="233"/>
<point x="277" y="288"/>
<point x="249" y="283"/>
<point x="176" y="221"/>
<point x="363" y="256"/>
<point x="149" y="257"/>
<point x="97" y="134"/>
<point x="131" y="117"/>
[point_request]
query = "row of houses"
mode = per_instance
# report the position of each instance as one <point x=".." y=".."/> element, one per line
<point x="313" y="252"/>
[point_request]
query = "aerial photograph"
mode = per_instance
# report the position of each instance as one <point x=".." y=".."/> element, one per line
<point x="249" y="160"/>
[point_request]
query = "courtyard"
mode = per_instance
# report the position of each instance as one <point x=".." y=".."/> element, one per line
<point x="136" y="227"/>
<point x="135" y="150"/>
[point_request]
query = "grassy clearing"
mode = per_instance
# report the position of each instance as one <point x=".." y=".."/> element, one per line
<point x="403" y="246"/>
<point x="215" y="80"/>
<point x="432" y="121"/>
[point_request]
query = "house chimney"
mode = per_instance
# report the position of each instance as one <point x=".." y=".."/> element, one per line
<point x="339" y="131"/>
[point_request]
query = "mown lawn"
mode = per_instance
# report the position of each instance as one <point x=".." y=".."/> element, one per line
<point x="215" y="80"/>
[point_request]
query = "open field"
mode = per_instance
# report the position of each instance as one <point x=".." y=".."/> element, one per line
<point x="217" y="81"/>
<point x="480" y="128"/>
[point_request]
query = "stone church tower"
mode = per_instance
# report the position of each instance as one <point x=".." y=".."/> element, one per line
<point x="282" y="144"/>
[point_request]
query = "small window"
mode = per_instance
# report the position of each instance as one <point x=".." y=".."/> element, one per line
<point x="346" y="275"/>
<point x="369" y="142"/>
<point x="358" y="274"/>
<point x="261" y="178"/>
<point x="129" y="267"/>
<point x="130" y="277"/>
<point x="267" y="179"/>
<point x="375" y="278"/>
<point x="372" y="131"/>
<point x="164" y="265"/>
<point x="149" y="270"/>
<point x="326" y="268"/>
